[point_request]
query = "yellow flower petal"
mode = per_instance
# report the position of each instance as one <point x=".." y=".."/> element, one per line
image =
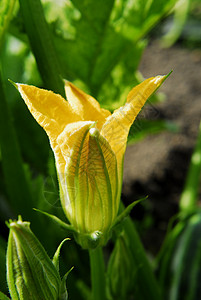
<point x="85" y="105"/>
<point x="50" y="110"/>
<point x="116" y="127"/>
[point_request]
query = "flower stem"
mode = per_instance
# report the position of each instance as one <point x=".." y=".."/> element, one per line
<point x="42" y="44"/>
<point x="97" y="274"/>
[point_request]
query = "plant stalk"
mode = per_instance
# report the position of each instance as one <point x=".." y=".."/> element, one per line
<point x="42" y="44"/>
<point x="97" y="274"/>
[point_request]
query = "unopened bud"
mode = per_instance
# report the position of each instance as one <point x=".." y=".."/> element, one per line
<point x="30" y="272"/>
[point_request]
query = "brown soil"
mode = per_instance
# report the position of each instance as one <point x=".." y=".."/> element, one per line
<point x="157" y="166"/>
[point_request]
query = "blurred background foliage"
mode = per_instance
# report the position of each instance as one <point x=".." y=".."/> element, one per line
<point x="98" y="45"/>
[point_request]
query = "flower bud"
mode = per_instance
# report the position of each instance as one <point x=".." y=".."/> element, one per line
<point x="89" y="144"/>
<point x="121" y="273"/>
<point x="30" y="272"/>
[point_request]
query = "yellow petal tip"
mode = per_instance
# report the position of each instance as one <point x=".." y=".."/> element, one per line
<point x="163" y="77"/>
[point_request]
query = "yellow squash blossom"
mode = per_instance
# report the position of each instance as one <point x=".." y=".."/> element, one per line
<point x="89" y="145"/>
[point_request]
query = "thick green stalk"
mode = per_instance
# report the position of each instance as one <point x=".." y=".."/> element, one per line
<point x="189" y="196"/>
<point x="97" y="274"/>
<point x="146" y="284"/>
<point x="42" y="45"/>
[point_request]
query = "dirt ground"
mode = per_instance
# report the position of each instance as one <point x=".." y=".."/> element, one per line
<point x="157" y="165"/>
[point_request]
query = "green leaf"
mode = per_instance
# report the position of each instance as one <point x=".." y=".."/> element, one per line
<point x="166" y="252"/>
<point x="184" y="233"/>
<point x="189" y="195"/>
<point x="134" y="20"/>
<point x="167" y="248"/>
<point x="113" y="30"/>
<point x="180" y="16"/>
<point x="84" y="289"/>
<point x="155" y="10"/>
<point x="144" y="273"/>
<point x="194" y="277"/>
<point x="185" y="261"/>
<point x="4" y="297"/>
<point x="102" y="43"/>
<point x="3" y="265"/>
<point x="122" y="78"/>
<point x="6" y="10"/>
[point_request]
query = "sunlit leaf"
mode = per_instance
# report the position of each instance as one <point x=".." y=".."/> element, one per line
<point x="180" y="15"/>
<point x="101" y="43"/>
<point x="6" y="10"/>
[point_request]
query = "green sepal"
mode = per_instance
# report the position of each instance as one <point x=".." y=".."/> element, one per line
<point x="55" y="259"/>
<point x="3" y="296"/>
<point x="119" y="219"/>
<point x="62" y="224"/>
<point x="63" y="294"/>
